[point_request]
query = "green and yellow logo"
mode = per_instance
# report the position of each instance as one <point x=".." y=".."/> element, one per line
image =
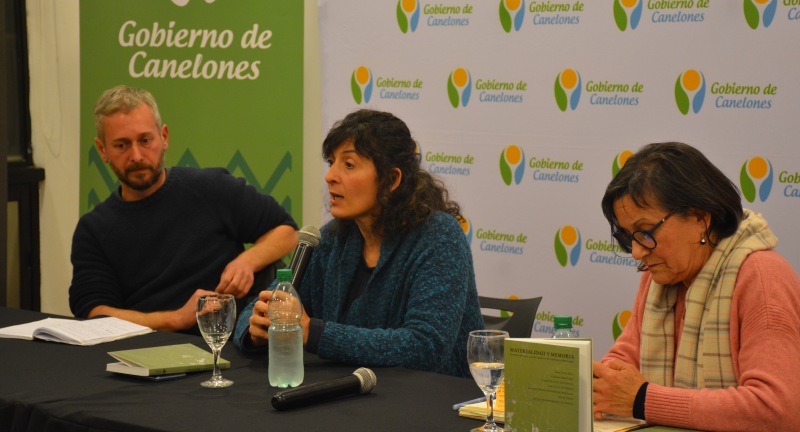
<point x="361" y="84"/>
<point x="619" y="161"/>
<point x="407" y="15"/>
<point x="690" y="91"/>
<point x="512" y="14"/>
<point x="620" y="321"/>
<point x="568" y="245"/>
<point x="459" y="85"/>
<point x="759" y="12"/>
<point x="756" y="179"/>
<point x="627" y="13"/>
<point x="512" y="168"/>
<point x="568" y="89"/>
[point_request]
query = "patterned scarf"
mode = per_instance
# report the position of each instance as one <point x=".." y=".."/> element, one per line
<point x="704" y="354"/>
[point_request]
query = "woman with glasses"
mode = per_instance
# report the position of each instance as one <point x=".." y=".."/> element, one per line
<point x="713" y="342"/>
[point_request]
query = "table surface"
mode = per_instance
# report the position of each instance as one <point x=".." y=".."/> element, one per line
<point x="47" y="386"/>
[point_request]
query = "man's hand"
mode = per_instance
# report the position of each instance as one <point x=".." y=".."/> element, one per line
<point x="239" y="274"/>
<point x="181" y="319"/>
<point x="614" y="388"/>
<point x="186" y="317"/>
<point x="237" y="278"/>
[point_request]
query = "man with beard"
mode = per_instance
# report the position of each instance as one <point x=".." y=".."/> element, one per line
<point x="167" y="235"/>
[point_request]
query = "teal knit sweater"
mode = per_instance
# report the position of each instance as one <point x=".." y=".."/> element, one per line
<point x="419" y="306"/>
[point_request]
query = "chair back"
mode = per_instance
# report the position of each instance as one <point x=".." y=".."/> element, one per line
<point x="522" y="315"/>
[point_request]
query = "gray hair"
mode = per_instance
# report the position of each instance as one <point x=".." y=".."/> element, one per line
<point x="122" y="98"/>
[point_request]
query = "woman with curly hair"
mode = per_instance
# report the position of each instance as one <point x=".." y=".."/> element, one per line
<point x="392" y="281"/>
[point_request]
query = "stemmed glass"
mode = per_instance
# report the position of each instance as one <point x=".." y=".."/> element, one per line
<point x="486" y="363"/>
<point x="216" y="316"/>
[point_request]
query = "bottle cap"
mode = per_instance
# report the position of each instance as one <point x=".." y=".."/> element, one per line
<point x="562" y="321"/>
<point x="284" y="275"/>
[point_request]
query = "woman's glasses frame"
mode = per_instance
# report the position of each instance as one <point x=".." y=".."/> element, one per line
<point x="643" y="237"/>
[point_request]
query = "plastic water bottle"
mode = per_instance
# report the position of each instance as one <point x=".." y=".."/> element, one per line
<point x="285" y="334"/>
<point x="563" y="327"/>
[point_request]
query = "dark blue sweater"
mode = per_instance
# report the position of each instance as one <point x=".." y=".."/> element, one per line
<point x="152" y="254"/>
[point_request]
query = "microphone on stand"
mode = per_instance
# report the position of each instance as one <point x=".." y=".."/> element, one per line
<point x="360" y="382"/>
<point x="308" y="239"/>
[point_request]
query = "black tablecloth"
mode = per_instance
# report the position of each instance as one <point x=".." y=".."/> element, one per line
<point x="46" y="386"/>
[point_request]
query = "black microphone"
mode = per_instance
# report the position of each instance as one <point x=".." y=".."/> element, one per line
<point x="360" y="382"/>
<point x="309" y="239"/>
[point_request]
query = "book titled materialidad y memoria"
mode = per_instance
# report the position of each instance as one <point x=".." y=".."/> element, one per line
<point x="544" y="375"/>
<point x="162" y="360"/>
<point x="548" y="384"/>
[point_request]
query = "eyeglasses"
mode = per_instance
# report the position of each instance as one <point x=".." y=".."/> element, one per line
<point x="643" y="237"/>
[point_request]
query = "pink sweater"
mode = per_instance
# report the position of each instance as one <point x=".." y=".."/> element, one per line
<point x="765" y="342"/>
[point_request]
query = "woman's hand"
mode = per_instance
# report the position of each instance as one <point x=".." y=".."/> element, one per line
<point x="259" y="321"/>
<point x="614" y="388"/>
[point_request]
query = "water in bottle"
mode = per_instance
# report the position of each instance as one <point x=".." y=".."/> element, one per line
<point x="285" y="334"/>
<point x="563" y="327"/>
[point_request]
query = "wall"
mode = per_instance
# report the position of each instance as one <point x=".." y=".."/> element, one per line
<point x="528" y="110"/>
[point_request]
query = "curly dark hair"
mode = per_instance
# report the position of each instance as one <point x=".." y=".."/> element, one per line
<point x="677" y="177"/>
<point x="386" y="141"/>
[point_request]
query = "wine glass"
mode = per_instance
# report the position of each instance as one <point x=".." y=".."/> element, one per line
<point x="486" y="363"/>
<point x="216" y="316"/>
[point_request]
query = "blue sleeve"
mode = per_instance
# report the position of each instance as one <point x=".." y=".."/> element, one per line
<point x="241" y="333"/>
<point x="94" y="281"/>
<point x="441" y="309"/>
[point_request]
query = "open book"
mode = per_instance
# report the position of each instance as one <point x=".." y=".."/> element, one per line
<point x="75" y="332"/>
<point x="479" y="410"/>
<point x="163" y="360"/>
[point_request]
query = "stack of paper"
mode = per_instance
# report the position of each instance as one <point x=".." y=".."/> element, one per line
<point x="481" y="409"/>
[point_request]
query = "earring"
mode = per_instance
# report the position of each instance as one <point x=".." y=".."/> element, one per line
<point x="703" y="240"/>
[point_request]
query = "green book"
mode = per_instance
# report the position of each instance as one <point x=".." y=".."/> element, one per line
<point x="548" y="384"/>
<point x="162" y="360"/>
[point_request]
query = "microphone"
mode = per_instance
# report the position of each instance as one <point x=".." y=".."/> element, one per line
<point x="360" y="382"/>
<point x="309" y="239"/>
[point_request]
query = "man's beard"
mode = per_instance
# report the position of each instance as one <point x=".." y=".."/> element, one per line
<point x="140" y="185"/>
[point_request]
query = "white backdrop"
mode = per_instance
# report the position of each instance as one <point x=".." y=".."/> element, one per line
<point x="554" y="94"/>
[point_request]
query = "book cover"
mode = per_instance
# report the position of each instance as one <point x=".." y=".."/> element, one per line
<point x="163" y="360"/>
<point x="548" y="384"/>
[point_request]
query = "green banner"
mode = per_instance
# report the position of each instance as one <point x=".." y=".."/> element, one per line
<point x="227" y="76"/>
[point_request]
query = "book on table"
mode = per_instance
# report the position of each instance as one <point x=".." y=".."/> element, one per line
<point x="75" y="332"/>
<point x="549" y="384"/>
<point x="163" y="360"/>
<point x="479" y="411"/>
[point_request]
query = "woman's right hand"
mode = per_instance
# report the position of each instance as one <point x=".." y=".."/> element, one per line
<point x="259" y="321"/>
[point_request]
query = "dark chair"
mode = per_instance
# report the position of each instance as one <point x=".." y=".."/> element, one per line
<point x="522" y="311"/>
